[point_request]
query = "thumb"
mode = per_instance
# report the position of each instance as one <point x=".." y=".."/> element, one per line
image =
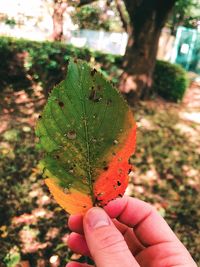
<point x="106" y="244"/>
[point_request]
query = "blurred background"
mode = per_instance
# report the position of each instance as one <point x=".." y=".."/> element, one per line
<point x="150" y="50"/>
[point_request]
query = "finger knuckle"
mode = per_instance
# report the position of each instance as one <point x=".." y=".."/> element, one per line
<point x="112" y="243"/>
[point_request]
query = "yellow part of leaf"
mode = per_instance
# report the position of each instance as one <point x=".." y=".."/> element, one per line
<point x="74" y="202"/>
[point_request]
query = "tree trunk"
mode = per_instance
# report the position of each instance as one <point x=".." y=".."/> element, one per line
<point x="147" y="19"/>
<point x="138" y="65"/>
<point x="58" y="12"/>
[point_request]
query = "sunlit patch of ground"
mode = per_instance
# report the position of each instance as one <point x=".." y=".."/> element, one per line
<point x="190" y="116"/>
<point x="192" y="97"/>
<point x="167" y="169"/>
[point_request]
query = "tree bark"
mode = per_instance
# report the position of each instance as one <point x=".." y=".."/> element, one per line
<point x="147" y="20"/>
<point x="58" y="12"/>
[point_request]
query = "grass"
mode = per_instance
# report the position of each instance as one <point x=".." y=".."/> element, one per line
<point x="168" y="170"/>
<point x="33" y="228"/>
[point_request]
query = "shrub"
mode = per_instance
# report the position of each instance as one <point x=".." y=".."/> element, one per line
<point x="12" y="71"/>
<point x="170" y="81"/>
<point x="24" y="61"/>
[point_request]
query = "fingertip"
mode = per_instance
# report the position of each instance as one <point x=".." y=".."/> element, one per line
<point x="115" y="207"/>
<point x="75" y="223"/>
<point x="77" y="243"/>
<point x="72" y="238"/>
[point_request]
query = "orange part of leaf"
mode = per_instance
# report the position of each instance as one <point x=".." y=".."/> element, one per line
<point x="112" y="183"/>
<point x="73" y="202"/>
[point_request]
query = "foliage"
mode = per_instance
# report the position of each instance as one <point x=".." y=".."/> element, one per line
<point x="12" y="69"/>
<point x="86" y="160"/>
<point x="96" y="17"/>
<point x="10" y="21"/>
<point x="170" y="81"/>
<point x="185" y="13"/>
<point x="24" y="62"/>
<point x="88" y="17"/>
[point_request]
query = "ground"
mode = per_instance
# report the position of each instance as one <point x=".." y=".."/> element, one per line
<point x="33" y="228"/>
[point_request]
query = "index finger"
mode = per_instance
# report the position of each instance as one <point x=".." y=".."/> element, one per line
<point x="149" y="227"/>
<point x="75" y="223"/>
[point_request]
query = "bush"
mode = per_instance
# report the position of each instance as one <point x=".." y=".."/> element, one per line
<point x="170" y="81"/>
<point x="24" y="61"/>
<point x="12" y="71"/>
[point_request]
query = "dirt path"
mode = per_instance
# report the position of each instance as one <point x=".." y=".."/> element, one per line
<point x="192" y="97"/>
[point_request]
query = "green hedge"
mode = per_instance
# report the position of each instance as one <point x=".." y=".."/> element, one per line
<point x="23" y="62"/>
<point x="170" y="81"/>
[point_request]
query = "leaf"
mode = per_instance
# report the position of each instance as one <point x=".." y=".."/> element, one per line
<point x="88" y="133"/>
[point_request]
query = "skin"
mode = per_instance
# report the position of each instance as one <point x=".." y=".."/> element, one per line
<point x="128" y="233"/>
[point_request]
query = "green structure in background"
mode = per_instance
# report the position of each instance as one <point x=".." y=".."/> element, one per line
<point x="186" y="50"/>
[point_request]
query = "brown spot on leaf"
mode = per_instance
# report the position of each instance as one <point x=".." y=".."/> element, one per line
<point x="94" y="96"/>
<point x="93" y="72"/>
<point x="67" y="63"/>
<point x="66" y="190"/>
<point x="109" y="102"/>
<point x="61" y="104"/>
<point x="119" y="183"/>
<point x="84" y="180"/>
<point x="120" y="171"/>
<point x="115" y="187"/>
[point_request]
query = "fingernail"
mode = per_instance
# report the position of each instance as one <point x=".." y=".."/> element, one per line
<point x="96" y="218"/>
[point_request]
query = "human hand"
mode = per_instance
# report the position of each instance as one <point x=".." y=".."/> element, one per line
<point x="138" y="237"/>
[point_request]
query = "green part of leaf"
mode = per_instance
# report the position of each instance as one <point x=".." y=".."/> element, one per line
<point x="79" y="125"/>
<point x="61" y="173"/>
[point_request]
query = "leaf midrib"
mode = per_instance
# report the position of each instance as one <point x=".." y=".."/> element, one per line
<point x="87" y="139"/>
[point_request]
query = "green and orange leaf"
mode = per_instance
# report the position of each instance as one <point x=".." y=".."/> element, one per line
<point x="88" y="133"/>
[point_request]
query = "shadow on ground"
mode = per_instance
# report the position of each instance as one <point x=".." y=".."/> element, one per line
<point x="33" y="228"/>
